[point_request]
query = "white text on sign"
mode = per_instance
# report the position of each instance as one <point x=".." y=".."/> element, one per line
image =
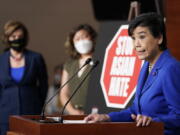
<point x="122" y="67"/>
<point x="124" y="46"/>
<point x="119" y="86"/>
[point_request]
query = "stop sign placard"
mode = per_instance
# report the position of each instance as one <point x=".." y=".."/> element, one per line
<point x="120" y="71"/>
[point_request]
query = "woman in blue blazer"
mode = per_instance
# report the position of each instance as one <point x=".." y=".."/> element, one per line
<point x="23" y="76"/>
<point x="158" y="89"/>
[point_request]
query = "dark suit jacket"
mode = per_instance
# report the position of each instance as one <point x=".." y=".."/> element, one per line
<point x="157" y="95"/>
<point x="27" y="96"/>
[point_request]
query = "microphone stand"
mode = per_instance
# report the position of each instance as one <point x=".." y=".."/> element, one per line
<point x="74" y="92"/>
<point x="43" y="118"/>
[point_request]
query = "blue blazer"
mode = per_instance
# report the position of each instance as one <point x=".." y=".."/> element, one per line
<point x="157" y="95"/>
<point x="27" y="96"/>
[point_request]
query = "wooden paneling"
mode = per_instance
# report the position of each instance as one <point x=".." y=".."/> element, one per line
<point x="24" y="125"/>
<point x="173" y="26"/>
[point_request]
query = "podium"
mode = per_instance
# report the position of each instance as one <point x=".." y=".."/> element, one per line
<point x="28" y="125"/>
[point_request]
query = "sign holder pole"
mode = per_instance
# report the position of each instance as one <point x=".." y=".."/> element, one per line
<point x="134" y="10"/>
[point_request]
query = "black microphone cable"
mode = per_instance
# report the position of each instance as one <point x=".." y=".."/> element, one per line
<point x="74" y="92"/>
<point x="58" y="90"/>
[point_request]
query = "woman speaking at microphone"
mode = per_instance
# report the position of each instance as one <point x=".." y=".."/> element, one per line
<point x="80" y="45"/>
<point x="23" y="76"/>
<point x="158" y="89"/>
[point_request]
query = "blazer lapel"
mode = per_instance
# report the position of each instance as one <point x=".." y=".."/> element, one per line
<point x="154" y="73"/>
<point x="151" y="78"/>
<point x="142" y="78"/>
<point x="7" y="65"/>
<point x="27" y="65"/>
<point x="7" y="70"/>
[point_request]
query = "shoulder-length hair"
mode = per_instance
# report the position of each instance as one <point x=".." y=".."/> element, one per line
<point x="69" y="44"/>
<point x="10" y="27"/>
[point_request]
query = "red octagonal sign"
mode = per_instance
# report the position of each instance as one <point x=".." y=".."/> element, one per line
<point x="120" y="71"/>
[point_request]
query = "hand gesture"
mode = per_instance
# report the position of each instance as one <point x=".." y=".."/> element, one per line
<point x="141" y="120"/>
<point x="93" y="118"/>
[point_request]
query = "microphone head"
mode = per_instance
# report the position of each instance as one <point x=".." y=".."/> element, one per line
<point x="88" y="60"/>
<point x="94" y="64"/>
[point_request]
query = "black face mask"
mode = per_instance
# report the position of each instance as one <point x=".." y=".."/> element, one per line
<point x="17" y="45"/>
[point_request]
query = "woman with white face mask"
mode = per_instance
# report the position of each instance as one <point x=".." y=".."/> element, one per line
<point x="80" y="46"/>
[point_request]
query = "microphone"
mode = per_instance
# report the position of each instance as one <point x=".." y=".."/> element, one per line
<point x="42" y="120"/>
<point x="93" y="64"/>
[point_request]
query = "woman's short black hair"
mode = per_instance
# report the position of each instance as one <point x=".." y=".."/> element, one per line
<point x="154" y="22"/>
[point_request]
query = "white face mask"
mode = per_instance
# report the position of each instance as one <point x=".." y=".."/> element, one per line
<point x="83" y="46"/>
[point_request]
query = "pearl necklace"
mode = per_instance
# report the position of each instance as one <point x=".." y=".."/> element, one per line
<point x="150" y="68"/>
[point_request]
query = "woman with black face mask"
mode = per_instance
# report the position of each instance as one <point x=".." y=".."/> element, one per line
<point x="23" y="76"/>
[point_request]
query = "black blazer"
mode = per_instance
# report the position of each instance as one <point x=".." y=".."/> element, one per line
<point x="27" y="96"/>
